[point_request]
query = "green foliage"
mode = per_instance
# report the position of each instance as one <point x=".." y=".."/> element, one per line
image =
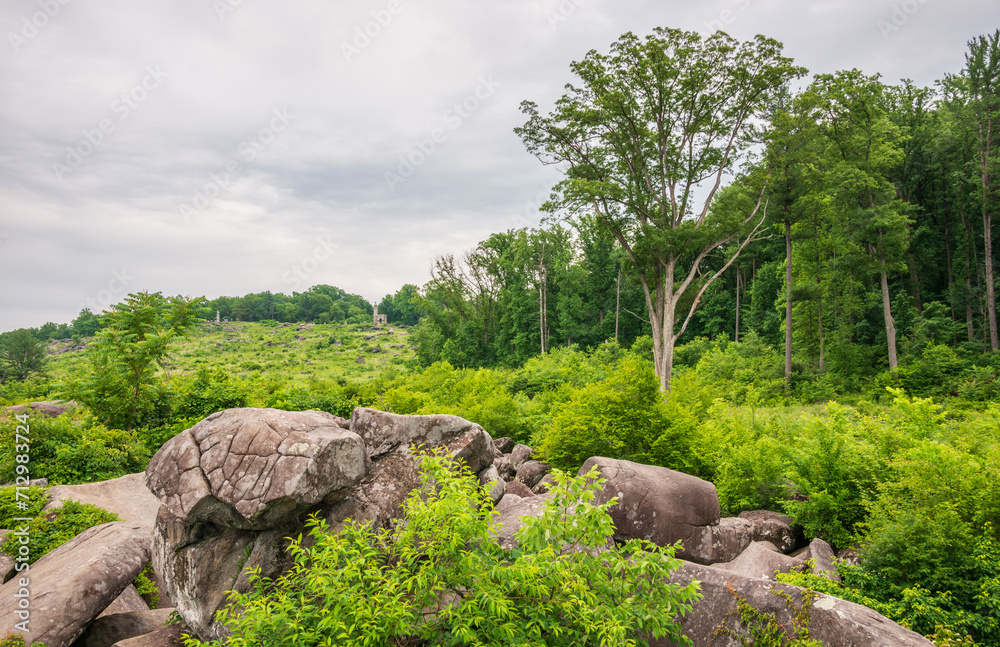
<point x="442" y="579"/>
<point x="147" y="588"/>
<point x="122" y="389"/>
<point x="211" y="390"/>
<point x="622" y="416"/>
<point x="28" y="503"/>
<point x="755" y="628"/>
<point x="64" y="451"/>
<point x="750" y="369"/>
<point x="21" y="355"/>
<point x="56" y="527"/>
<point x="16" y="640"/>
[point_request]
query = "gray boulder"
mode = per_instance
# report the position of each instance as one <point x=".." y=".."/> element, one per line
<point x="722" y="542"/>
<point x="128" y="601"/>
<point x="774" y="527"/>
<point x="531" y="472"/>
<point x="47" y="408"/>
<point x="255" y="468"/>
<point x="543" y="486"/>
<point x="126" y="496"/>
<point x="169" y="636"/>
<point x="520" y="454"/>
<point x="504" y="445"/>
<point x="490" y="480"/>
<point x="520" y="489"/>
<point x="511" y="517"/>
<point x="658" y="505"/>
<point x="761" y="561"/>
<point x="68" y="587"/>
<point x="505" y="467"/>
<point x="822" y="555"/>
<point x="832" y="622"/>
<point x="110" y="629"/>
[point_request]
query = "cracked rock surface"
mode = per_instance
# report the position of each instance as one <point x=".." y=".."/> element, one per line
<point x="253" y="468"/>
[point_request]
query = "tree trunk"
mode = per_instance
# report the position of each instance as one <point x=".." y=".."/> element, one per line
<point x="739" y="280"/>
<point x="991" y="305"/>
<point x="541" y="307"/>
<point x="970" y="328"/>
<point x="618" y="299"/>
<point x="890" y="325"/>
<point x="788" y="306"/>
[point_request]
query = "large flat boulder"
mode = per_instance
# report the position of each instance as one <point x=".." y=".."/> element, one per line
<point x="832" y="622"/>
<point x="109" y="629"/>
<point x="126" y="496"/>
<point x="658" y="504"/>
<point x="760" y="560"/>
<point x="70" y="586"/>
<point x="169" y="636"/>
<point x="255" y="468"/>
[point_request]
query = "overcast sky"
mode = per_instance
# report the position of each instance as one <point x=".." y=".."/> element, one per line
<point x="220" y="147"/>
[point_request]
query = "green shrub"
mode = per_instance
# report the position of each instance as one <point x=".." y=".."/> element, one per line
<point x="441" y="578"/>
<point x="621" y="416"/>
<point x="211" y="390"/>
<point x="28" y="504"/>
<point x="56" y="527"/>
<point x="65" y="451"/>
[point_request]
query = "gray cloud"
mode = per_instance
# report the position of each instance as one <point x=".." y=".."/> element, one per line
<point x="365" y="84"/>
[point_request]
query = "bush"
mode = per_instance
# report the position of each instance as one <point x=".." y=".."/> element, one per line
<point x="58" y="526"/>
<point x="210" y="391"/>
<point x="441" y="578"/>
<point x="622" y="416"/>
<point x="28" y="504"/>
<point x="65" y="452"/>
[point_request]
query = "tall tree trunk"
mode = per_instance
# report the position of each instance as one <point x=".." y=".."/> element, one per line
<point x="739" y="281"/>
<point x="948" y="261"/>
<point x="542" y="315"/>
<point x="788" y="306"/>
<point x="669" y="312"/>
<point x="970" y="328"/>
<point x="618" y="298"/>
<point x="890" y="325"/>
<point x="822" y="347"/>
<point x="991" y="304"/>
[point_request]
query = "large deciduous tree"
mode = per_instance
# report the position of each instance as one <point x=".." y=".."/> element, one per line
<point x="648" y="137"/>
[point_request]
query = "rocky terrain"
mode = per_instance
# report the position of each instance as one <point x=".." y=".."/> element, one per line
<point x="220" y="499"/>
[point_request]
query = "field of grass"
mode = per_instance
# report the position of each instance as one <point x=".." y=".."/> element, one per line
<point x="300" y="353"/>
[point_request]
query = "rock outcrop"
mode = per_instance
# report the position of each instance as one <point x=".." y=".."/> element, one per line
<point x="70" y="586"/>
<point x="126" y="496"/>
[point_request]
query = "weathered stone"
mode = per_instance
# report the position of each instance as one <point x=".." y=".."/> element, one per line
<point x="544" y="485"/>
<point x="49" y="409"/>
<point x="519" y="489"/>
<point x="519" y="454"/>
<point x="126" y="496"/>
<point x="774" y="527"/>
<point x="169" y="636"/>
<point x="531" y="472"/>
<point x="505" y="467"/>
<point x="507" y="501"/>
<point x="254" y="468"/>
<point x="199" y="573"/>
<point x="510" y="518"/>
<point x="849" y="555"/>
<point x="490" y="479"/>
<point x="832" y="622"/>
<point x="718" y="543"/>
<point x="759" y="561"/>
<point x="822" y="555"/>
<point x="504" y="444"/>
<point x="110" y="629"/>
<point x="383" y="432"/>
<point x="128" y="601"/>
<point x="72" y="584"/>
<point x="658" y="504"/>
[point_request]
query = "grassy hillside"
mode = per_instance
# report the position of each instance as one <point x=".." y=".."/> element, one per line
<point x="298" y="352"/>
